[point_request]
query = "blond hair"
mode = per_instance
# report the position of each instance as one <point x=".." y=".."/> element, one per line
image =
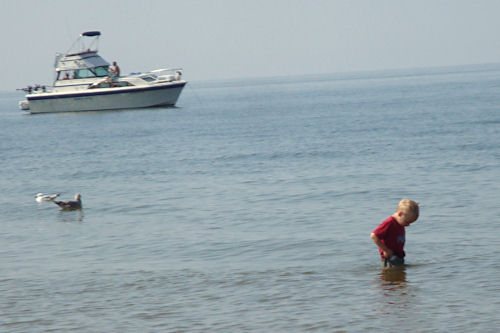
<point x="409" y="206"/>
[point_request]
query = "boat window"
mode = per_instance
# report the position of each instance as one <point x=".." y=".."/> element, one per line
<point x="104" y="85"/>
<point x="84" y="73"/>
<point x="65" y="75"/>
<point x="101" y="71"/>
<point x="148" y="78"/>
<point x="123" y="84"/>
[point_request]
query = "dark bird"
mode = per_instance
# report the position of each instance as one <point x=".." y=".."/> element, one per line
<point x="71" y="204"/>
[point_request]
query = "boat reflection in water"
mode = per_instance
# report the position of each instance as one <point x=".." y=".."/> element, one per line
<point x="84" y="82"/>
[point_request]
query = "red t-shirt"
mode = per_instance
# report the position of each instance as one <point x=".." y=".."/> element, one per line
<point x="392" y="234"/>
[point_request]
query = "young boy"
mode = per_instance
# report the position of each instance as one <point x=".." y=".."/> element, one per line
<point x="389" y="236"/>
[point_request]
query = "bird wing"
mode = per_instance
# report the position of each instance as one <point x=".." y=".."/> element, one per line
<point x="68" y="204"/>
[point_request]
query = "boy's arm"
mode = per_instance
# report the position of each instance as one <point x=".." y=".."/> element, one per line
<point x="387" y="251"/>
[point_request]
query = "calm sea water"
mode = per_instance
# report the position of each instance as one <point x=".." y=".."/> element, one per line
<point x="249" y="208"/>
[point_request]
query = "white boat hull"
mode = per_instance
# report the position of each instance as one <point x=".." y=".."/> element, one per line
<point x="165" y="94"/>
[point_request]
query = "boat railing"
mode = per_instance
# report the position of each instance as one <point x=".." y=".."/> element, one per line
<point x="36" y="89"/>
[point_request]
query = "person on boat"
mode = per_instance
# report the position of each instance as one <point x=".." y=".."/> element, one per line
<point x="115" y="70"/>
<point x="389" y="236"/>
<point x="66" y="76"/>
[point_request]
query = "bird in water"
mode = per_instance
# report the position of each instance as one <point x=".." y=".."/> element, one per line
<point x="40" y="197"/>
<point x="71" y="204"/>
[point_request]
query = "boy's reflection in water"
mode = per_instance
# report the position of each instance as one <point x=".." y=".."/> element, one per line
<point x="394" y="276"/>
<point x="395" y="290"/>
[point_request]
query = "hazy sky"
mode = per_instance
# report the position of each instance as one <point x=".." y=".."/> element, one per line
<point x="219" y="39"/>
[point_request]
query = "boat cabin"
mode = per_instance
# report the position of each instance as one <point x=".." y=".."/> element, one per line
<point x="81" y="63"/>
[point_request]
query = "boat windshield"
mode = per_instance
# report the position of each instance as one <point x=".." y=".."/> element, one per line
<point x="84" y="73"/>
<point x="101" y="71"/>
<point x="92" y="72"/>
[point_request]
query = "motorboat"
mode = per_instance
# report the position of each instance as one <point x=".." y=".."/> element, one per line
<point x="84" y="81"/>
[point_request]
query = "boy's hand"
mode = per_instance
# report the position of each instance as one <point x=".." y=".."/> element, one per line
<point x="388" y="253"/>
<point x="385" y="250"/>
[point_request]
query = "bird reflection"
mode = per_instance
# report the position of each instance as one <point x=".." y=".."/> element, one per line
<point x="70" y="216"/>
